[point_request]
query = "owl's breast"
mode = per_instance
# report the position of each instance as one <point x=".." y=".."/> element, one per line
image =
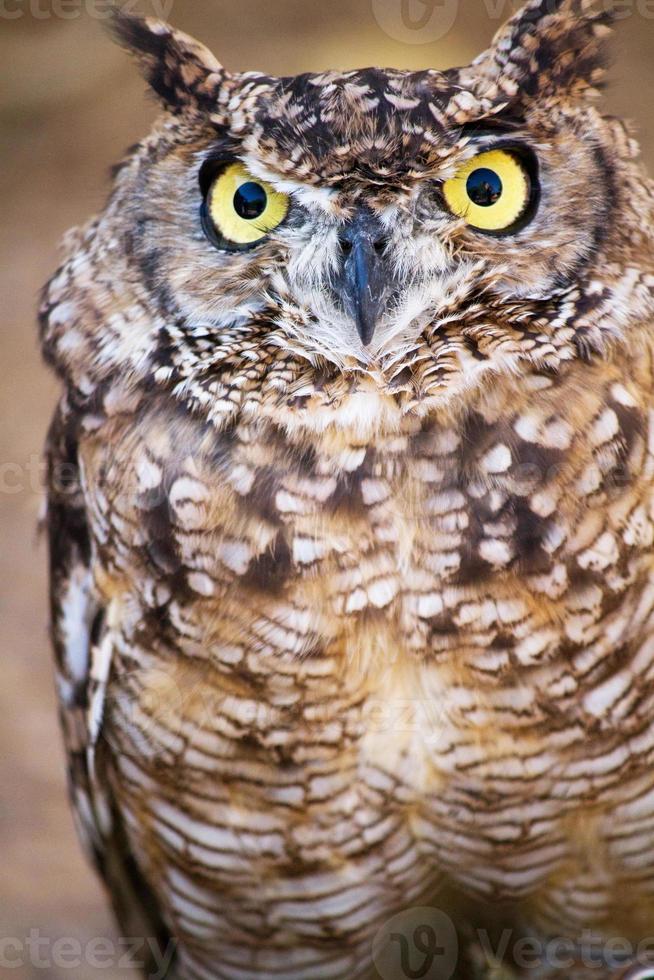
<point x="436" y="640"/>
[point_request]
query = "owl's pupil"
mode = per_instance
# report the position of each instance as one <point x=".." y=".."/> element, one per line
<point x="484" y="187"/>
<point x="250" y="200"/>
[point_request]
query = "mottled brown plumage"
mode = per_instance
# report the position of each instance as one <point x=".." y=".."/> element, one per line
<point x="343" y="629"/>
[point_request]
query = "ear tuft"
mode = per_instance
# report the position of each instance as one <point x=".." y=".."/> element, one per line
<point x="181" y="71"/>
<point x="551" y="48"/>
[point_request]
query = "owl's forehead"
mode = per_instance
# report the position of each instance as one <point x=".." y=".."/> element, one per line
<point x="368" y="123"/>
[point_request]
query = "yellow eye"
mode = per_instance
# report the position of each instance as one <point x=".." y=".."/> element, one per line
<point x="243" y="209"/>
<point x="492" y="191"/>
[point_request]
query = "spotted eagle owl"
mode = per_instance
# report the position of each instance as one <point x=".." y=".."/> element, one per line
<point x="351" y="511"/>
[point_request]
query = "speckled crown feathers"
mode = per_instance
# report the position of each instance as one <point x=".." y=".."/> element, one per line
<point x="549" y="48"/>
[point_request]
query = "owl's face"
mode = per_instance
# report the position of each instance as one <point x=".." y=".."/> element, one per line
<point x="413" y="232"/>
<point x="355" y="232"/>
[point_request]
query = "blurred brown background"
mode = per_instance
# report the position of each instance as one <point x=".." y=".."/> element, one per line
<point x="70" y="103"/>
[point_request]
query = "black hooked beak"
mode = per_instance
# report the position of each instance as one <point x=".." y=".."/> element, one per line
<point x="365" y="278"/>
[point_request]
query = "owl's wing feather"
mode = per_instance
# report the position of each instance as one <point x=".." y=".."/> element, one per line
<point x="83" y="664"/>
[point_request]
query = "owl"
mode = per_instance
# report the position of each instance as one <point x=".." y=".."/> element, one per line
<point x="351" y="518"/>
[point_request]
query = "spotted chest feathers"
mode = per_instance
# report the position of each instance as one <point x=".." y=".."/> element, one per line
<point x="443" y="623"/>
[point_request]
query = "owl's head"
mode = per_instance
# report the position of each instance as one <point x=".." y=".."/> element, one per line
<point x="287" y="240"/>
